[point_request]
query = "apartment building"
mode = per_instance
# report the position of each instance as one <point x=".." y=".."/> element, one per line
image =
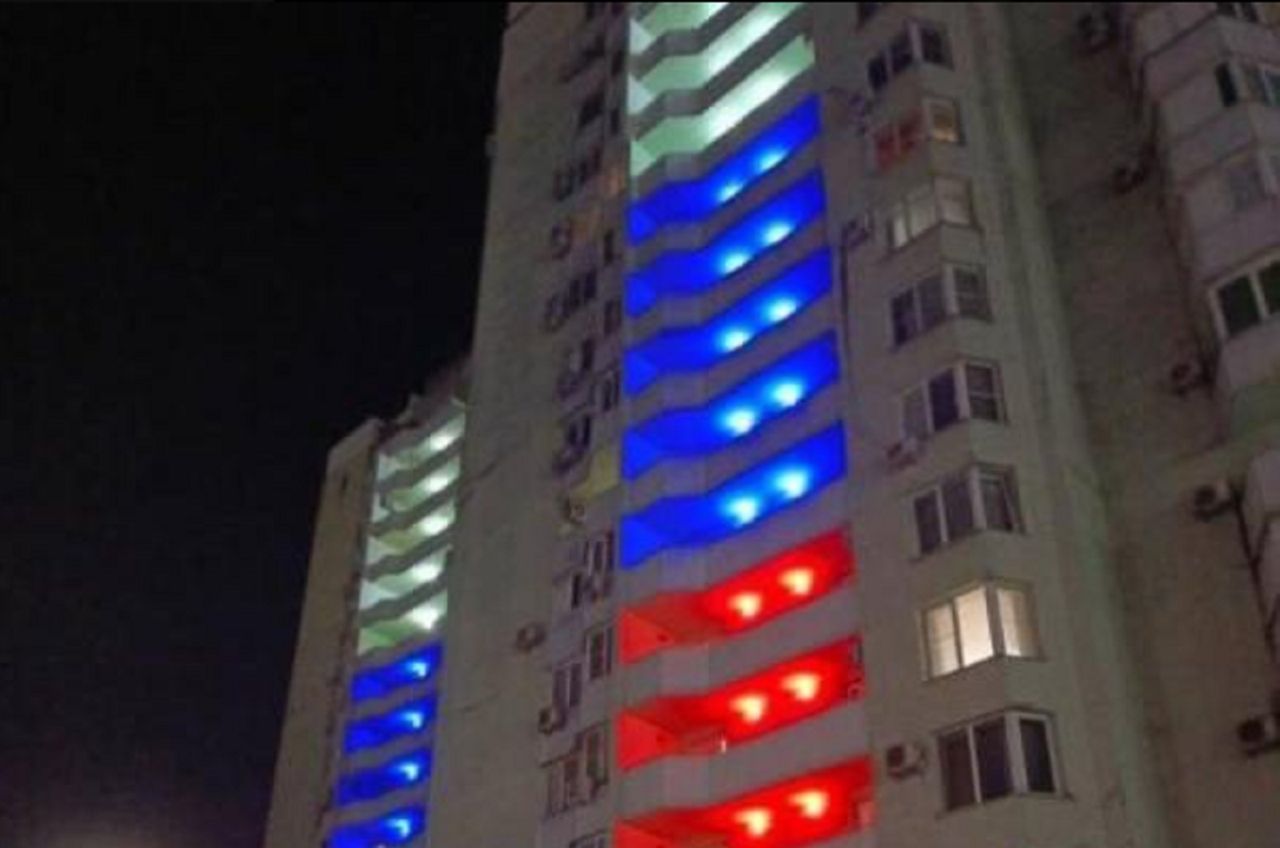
<point x="356" y="755"/>
<point x="873" y="433"/>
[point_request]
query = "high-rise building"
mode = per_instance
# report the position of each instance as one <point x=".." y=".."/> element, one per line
<point x="873" y="433"/>
<point x="356" y="753"/>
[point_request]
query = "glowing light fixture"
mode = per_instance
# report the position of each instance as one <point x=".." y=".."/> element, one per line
<point x="750" y="708"/>
<point x="770" y="159"/>
<point x="436" y="524"/>
<point x="732" y="339"/>
<point x="437" y="483"/>
<point x="440" y="441"/>
<point x="425" y="617"/>
<point x="415" y="719"/>
<point x="418" y="669"/>
<point x="802" y="685"/>
<point x="747" y="604"/>
<point x="409" y="770"/>
<point x="756" y="821"/>
<point x="793" y="483"/>
<point x="780" y="309"/>
<point x="811" y="803"/>
<point x="740" y="421"/>
<point x="743" y="509"/>
<point x="787" y="394"/>
<point x="729" y="191"/>
<point x="797" y="581"/>
<point x="734" y="260"/>
<point x="776" y="232"/>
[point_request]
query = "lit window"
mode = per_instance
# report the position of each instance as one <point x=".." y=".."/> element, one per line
<point x="944" y="199"/>
<point x="955" y="291"/>
<point x="980" y="498"/>
<point x="943" y="118"/>
<point x="981" y="623"/>
<point x="926" y="42"/>
<point x="1245" y="301"/>
<point x="996" y="757"/>
<point x="965" y="391"/>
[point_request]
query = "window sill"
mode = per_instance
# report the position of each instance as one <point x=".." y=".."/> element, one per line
<point x="1057" y="797"/>
<point x="988" y="662"/>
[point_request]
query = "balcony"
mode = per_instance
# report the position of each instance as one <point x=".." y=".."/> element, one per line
<point x="784" y="480"/>
<point x="1197" y="47"/>
<point x="1242" y="237"/>
<point x="665" y="805"/>
<point x="415" y="574"/>
<point x="378" y="680"/>
<point x="404" y="454"/>
<point x="711" y="722"/>
<point x="395" y="622"/>
<point x="399" y="827"/>
<point x="396" y="774"/>
<point x="1247" y="361"/>
<point x="758" y="594"/>
<point x="401" y="534"/>
<point x="407" y="722"/>
<point x="665" y="20"/>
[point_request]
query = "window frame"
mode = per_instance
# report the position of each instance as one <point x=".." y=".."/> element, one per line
<point x="951" y="301"/>
<point x="959" y="374"/>
<point x="912" y="30"/>
<point x="1015" y="755"/>
<point x="1252" y="274"/>
<point x="996" y="627"/>
<point x="973" y="477"/>
<point x="925" y="201"/>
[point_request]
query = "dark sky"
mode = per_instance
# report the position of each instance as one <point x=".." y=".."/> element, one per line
<point x="227" y="234"/>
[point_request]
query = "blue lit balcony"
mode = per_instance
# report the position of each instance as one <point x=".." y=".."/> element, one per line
<point x="688" y="273"/>
<point x="781" y="481"/>
<point x="737" y="414"/>
<point x="412" y="669"/>
<point x="370" y="784"/>
<point x="405" y="721"/>
<point x="694" y="200"/>
<point x="395" y="828"/>
<point x="687" y="350"/>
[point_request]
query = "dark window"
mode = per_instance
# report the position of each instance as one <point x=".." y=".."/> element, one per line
<point x="615" y="120"/>
<point x="591" y="108"/>
<point x="609" y="246"/>
<point x="612" y="316"/>
<point x="903" y="313"/>
<point x="971" y="294"/>
<point x="617" y="62"/>
<point x="933" y="45"/>
<point x="866" y="10"/>
<point x="933" y="303"/>
<point x="1226" y="85"/>
<point x="1269" y="279"/>
<point x="997" y="501"/>
<point x="943" y="401"/>
<point x="878" y="73"/>
<point x="993" y="759"/>
<point x="900" y="55"/>
<point x="957" y="770"/>
<point x="928" y="523"/>
<point x="1239" y="306"/>
<point x="958" y="507"/>
<point x="1035" y="750"/>
<point x="983" y="387"/>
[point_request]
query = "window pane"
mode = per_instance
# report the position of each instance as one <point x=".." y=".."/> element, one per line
<point x="975" y="627"/>
<point x="922" y="211"/>
<point x="1244" y="184"/>
<point x="958" y="508"/>
<point x="1269" y="280"/>
<point x="933" y="45"/>
<point x="1015" y="623"/>
<point x="944" y="121"/>
<point x="1035" y="748"/>
<point x="942" y="400"/>
<point x="903" y="313"/>
<point x="899" y="234"/>
<point x="1239" y="306"/>
<point x="940" y="635"/>
<point x="933" y="303"/>
<point x="984" y="392"/>
<point x="877" y="73"/>
<point x="957" y="770"/>
<point x="953" y="200"/>
<point x="1226" y="85"/>
<point x="900" y="57"/>
<point x="993" y="759"/>
<point x="1254" y="81"/>
<point x="971" y="294"/>
<point x="928" y="523"/>
<point x="914" y="420"/>
<point x="997" y="502"/>
<point x="1273" y="87"/>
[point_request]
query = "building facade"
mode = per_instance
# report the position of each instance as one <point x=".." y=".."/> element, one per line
<point x="873" y="434"/>
<point x="357" y="750"/>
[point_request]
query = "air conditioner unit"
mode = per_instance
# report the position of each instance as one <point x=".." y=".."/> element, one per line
<point x="1095" y="30"/>
<point x="530" y="636"/>
<point x="903" y="453"/>
<point x="551" y="718"/>
<point x="1187" y="375"/>
<point x="904" y="760"/>
<point x="1259" y="734"/>
<point x="1212" y="499"/>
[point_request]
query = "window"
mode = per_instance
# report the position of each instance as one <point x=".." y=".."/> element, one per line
<point x="599" y="554"/>
<point x="585" y="767"/>
<point x="563" y="783"/>
<point x="964" y="391"/>
<point x="943" y="119"/>
<point x="615" y="120"/>
<point x="599" y="652"/>
<point x="995" y="757"/>
<point x="612" y="316"/>
<point x="920" y="41"/>
<point x="1243" y="11"/>
<point x="609" y="389"/>
<point x="980" y="623"/>
<point x="1226" y="85"/>
<point x="609" y="246"/>
<point x="591" y="108"/>
<point x="617" y="62"/>
<point x="1246" y="300"/>
<point x="1262" y="82"/>
<point x="955" y="291"/>
<point x="594" y="840"/>
<point x="944" y="199"/>
<point x="936" y="119"/>
<point x="866" y="11"/>
<point x="980" y="498"/>
<point x="594" y="743"/>
<point x="566" y="686"/>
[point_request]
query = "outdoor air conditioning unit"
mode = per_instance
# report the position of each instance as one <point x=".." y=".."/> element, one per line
<point x="903" y="453"/>
<point x="1212" y="499"/>
<point x="1259" y="734"/>
<point x="904" y="760"/>
<point x="1187" y="375"/>
<point x="551" y="718"/>
<point x="529" y="637"/>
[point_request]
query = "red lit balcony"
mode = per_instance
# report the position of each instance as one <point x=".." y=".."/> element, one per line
<point x="750" y="599"/>
<point x="815" y="807"/>
<point x="744" y="710"/>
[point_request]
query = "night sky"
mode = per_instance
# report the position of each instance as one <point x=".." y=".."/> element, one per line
<point x="227" y="235"/>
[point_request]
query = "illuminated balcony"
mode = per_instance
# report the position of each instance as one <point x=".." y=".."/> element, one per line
<point x="740" y="413"/>
<point x="399" y="496"/>
<point x="752" y="598"/>
<point x="410" y="450"/>
<point x="689" y="273"/>
<point x="692" y="200"/>
<point x="410" y="531"/>
<point x="765" y="702"/>
<point x="782" y="481"/>
<point x="398" y="827"/>
<point x="815" y="807"/>
<point x="413" y="669"/>
<point x="399" y="773"/>
<point x="393" y="623"/>
<point x="413" y="574"/>
<point x="664" y="18"/>
<point x="406" y="721"/>
<point x="686" y="134"/>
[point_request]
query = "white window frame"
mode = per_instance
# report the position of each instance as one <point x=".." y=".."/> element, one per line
<point x="1261" y="82"/>
<point x="1253" y="274"/>
<point x="959" y="372"/>
<point x="913" y="27"/>
<point x="991" y="590"/>
<point x="921" y="210"/>
<point x="973" y="477"/>
<point x="1016" y="756"/>
<point x="950" y="298"/>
